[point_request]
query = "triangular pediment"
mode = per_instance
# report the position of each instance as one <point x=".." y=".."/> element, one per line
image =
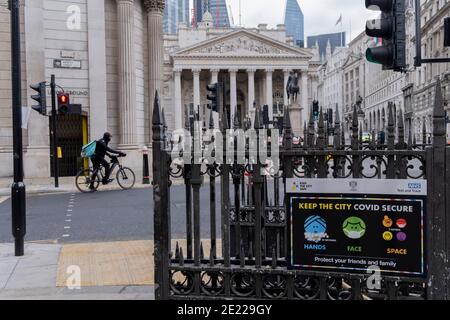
<point x="243" y="43"/>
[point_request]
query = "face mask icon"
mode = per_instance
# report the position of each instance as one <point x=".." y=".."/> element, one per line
<point x="354" y="228"/>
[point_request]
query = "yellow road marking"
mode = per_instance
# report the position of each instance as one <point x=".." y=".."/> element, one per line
<point x="125" y="263"/>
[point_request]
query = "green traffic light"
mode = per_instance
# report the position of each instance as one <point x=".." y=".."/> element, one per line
<point x="370" y="57"/>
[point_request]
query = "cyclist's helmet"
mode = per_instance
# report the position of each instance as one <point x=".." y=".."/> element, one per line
<point x="107" y="137"/>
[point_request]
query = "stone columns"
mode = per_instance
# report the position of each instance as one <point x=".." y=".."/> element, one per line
<point x="98" y="111"/>
<point x="127" y="73"/>
<point x="178" y="112"/>
<point x="196" y="73"/>
<point x="251" y="88"/>
<point x="36" y="157"/>
<point x="155" y="11"/>
<point x="233" y="93"/>
<point x="286" y="79"/>
<point x="214" y="75"/>
<point x="269" y="91"/>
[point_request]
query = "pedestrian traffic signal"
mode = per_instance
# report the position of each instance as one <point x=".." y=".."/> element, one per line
<point x="213" y="95"/>
<point x="391" y="29"/>
<point x="40" y="97"/>
<point x="63" y="103"/>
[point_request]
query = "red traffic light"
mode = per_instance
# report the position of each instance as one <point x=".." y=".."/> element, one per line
<point x="63" y="98"/>
<point x="63" y="103"/>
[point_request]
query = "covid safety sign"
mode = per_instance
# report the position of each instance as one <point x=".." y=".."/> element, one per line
<point x="350" y="226"/>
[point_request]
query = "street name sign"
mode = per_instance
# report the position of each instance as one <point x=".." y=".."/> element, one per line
<point x="67" y="64"/>
<point x="353" y="225"/>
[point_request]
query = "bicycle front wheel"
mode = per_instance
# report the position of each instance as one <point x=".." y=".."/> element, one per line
<point x="85" y="181"/>
<point x="126" y="178"/>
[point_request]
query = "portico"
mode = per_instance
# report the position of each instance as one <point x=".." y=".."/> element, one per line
<point x="254" y="68"/>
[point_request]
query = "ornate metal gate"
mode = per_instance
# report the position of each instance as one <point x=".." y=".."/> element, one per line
<point x="248" y="261"/>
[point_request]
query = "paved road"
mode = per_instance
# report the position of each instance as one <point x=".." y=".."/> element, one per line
<point x="106" y="216"/>
<point x="102" y="216"/>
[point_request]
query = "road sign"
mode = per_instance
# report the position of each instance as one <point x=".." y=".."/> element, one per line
<point x="67" y="64"/>
<point x="352" y="225"/>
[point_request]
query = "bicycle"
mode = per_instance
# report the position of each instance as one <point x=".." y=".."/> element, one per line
<point x="88" y="180"/>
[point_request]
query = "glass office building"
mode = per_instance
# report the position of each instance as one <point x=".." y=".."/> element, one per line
<point x="217" y="8"/>
<point x="295" y="23"/>
<point x="175" y="12"/>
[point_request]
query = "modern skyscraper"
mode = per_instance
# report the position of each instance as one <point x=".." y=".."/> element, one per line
<point x="217" y="8"/>
<point x="295" y="23"/>
<point x="175" y="12"/>
<point x="335" y="39"/>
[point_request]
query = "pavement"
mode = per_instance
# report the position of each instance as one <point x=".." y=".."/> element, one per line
<point x="105" y="238"/>
<point x="44" y="274"/>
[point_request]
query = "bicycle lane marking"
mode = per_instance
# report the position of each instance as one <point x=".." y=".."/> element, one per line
<point x="68" y="217"/>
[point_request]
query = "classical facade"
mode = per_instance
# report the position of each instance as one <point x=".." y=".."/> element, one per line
<point x="412" y="92"/>
<point x="111" y="57"/>
<point x="354" y="80"/>
<point x="254" y="64"/>
<point x="421" y="84"/>
<point x="330" y="74"/>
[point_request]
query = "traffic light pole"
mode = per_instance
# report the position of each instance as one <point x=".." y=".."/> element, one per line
<point x="418" y="61"/>
<point x="55" y="163"/>
<point x="18" y="191"/>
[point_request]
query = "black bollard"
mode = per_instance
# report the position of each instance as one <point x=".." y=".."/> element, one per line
<point x="146" y="171"/>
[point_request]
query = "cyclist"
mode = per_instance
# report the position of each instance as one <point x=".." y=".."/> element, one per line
<point x="101" y="151"/>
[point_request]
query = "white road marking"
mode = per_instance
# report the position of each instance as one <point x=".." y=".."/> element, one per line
<point x="68" y="220"/>
<point x="67" y="227"/>
<point x="3" y="199"/>
<point x="66" y="235"/>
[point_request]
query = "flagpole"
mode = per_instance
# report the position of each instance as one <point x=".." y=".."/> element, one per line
<point x="350" y="30"/>
<point x="342" y="31"/>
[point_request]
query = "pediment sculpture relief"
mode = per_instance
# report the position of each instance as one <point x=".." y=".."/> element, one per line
<point x="242" y="45"/>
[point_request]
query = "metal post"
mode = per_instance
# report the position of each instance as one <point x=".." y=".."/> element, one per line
<point x="438" y="264"/>
<point x="18" y="192"/>
<point x="54" y="132"/>
<point x="146" y="169"/>
<point x="161" y="203"/>
<point x="418" y="58"/>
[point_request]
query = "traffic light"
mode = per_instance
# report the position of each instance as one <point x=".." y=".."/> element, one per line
<point x="447" y="32"/>
<point x="63" y="103"/>
<point x="391" y="28"/>
<point x="266" y="119"/>
<point x="316" y="109"/>
<point x="213" y="96"/>
<point x="41" y="98"/>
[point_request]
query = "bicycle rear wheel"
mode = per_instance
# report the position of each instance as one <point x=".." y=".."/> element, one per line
<point x="85" y="182"/>
<point x="126" y="178"/>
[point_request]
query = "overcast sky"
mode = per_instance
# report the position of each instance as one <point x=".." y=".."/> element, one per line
<point x="320" y="15"/>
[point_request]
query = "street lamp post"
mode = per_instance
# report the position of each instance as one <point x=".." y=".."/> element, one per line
<point x="18" y="193"/>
